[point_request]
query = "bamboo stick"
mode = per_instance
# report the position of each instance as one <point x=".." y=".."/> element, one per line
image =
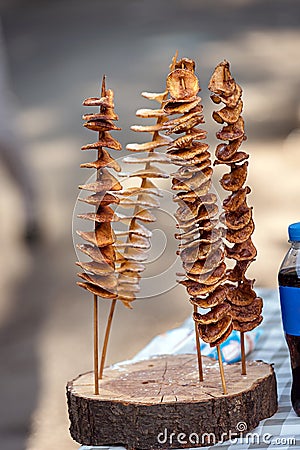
<point x="199" y="356"/>
<point x="96" y="349"/>
<point x="243" y="354"/>
<point x="106" y="337"/>
<point x="222" y="370"/>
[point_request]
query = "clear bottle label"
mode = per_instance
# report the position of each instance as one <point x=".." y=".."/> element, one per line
<point x="290" y="309"/>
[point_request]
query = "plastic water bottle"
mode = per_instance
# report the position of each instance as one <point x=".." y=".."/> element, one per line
<point x="289" y="289"/>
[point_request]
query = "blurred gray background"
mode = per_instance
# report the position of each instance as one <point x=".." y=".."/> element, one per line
<point x="56" y="54"/>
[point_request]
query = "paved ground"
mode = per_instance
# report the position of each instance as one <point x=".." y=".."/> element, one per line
<point x="57" y="52"/>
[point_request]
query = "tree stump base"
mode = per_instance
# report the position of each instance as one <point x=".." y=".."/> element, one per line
<point x="160" y="403"/>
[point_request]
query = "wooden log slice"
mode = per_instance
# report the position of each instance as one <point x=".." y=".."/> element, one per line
<point x="159" y="403"/>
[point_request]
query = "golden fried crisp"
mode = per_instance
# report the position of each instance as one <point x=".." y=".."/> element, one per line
<point x="194" y="182"/>
<point x="180" y="107"/>
<point x="188" y="140"/>
<point x="107" y="282"/>
<point x="224" y="336"/>
<point x="237" y="274"/>
<point x="132" y="266"/>
<point x="213" y="316"/>
<point x="97" y="290"/>
<point x="243" y="251"/>
<point x="246" y="326"/>
<point x="95" y="267"/>
<point x="188" y="153"/>
<point x="182" y="84"/>
<point x="238" y="157"/>
<point x="232" y="100"/>
<point x="106" y="141"/>
<point x="134" y="241"/>
<point x="226" y="151"/>
<point x="211" y="277"/>
<point x="227" y="114"/>
<point x="194" y="289"/>
<point x="247" y="313"/>
<point x="185" y="63"/>
<point x="238" y="219"/>
<point x="105" y="160"/>
<point x="214" y="331"/>
<point x="242" y="295"/>
<point x="100" y="197"/>
<point x="101" y="125"/>
<point x="234" y="180"/>
<point x="106" y="182"/>
<point x="236" y="199"/>
<point x="159" y="97"/>
<point x="100" y="255"/>
<point x="206" y="264"/>
<point x="217" y="297"/>
<point x="232" y="131"/>
<point x="101" y="236"/>
<point x="221" y="81"/>
<point x="241" y="235"/>
<point x="161" y="141"/>
<point x="150" y="158"/>
<point x="106" y="101"/>
<point x="150" y="172"/>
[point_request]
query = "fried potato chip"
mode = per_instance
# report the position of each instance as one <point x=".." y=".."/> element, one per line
<point x="97" y="268"/>
<point x="108" y="115"/>
<point x="234" y="180"/>
<point x="227" y="151"/>
<point x="101" y="125"/>
<point x="237" y="274"/>
<point x="150" y="172"/>
<point x="107" y="282"/>
<point x="236" y="199"/>
<point x="100" y="237"/>
<point x="214" y="331"/>
<point x="150" y="113"/>
<point x="237" y="158"/>
<point x="242" y="295"/>
<point x="177" y="107"/>
<point x="186" y="126"/>
<point x="238" y="219"/>
<point x="195" y="289"/>
<point x="223" y="338"/>
<point x="100" y="255"/>
<point x="97" y="290"/>
<point x="249" y="312"/>
<point x="134" y="241"/>
<point x="232" y="100"/>
<point x="151" y="157"/>
<point x="194" y="182"/>
<point x="211" y="277"/>
<point x="213" y="316"/>
<point x="221" y="81"/>
<point x="241" y="235"/>
<point x="227" y="114"/>
<point x="188" y="140"/>
<point x="148" y="128"/>
<point x="159" y="97"/>
<point x="106" y="141"/>
<point x="160" y="141"/>
<point x="142" y="214"/>
<point x="232" y="131"/>
<point x="106" y="182"/>
<point x="105" y="160"/>
<point x="206" y="264"/>
<point x="182" y="84"/>
<point x="243" y="251"/>
<point x="217" y="297"/>
<point x="185" y="63"/>
<point x="246" y="326"/>
<point x="96" y="101"/>
<point x="100" y="198"/>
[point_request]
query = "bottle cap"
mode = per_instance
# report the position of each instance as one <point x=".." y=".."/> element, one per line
<point x="294" y="232"/>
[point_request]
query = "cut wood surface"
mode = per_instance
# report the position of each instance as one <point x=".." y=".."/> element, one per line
<point x="140" y="404"/>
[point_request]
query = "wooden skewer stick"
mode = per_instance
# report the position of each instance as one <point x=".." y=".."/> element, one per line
<point x="106" y="337"/>
<point x="96" y="350"/>
<point x="243" y="355"/>
<point x="200" y="369"/>
<point x="222" y="370"/>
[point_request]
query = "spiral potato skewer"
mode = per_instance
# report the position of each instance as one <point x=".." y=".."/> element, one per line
<point x="246" y="307"/>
